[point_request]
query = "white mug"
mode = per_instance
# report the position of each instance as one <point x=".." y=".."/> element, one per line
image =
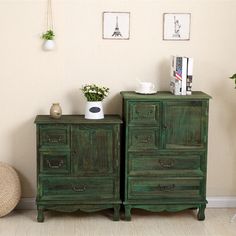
<point x="146" y="87"/>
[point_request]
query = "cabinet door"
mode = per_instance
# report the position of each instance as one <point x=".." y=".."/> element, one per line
<point x="185" y="124"/>
<point x="94" y="150"/>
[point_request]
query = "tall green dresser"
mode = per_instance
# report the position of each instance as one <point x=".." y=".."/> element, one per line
<point x="165" y="152"/>
<point x="78" y="164"/>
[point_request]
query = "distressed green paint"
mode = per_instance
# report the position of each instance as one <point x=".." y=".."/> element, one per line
<point x="165" y="152"/>
<point x="78" y="164"/>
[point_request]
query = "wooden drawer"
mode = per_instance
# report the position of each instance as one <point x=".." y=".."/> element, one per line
<point x="54" y="162"/>
<point x="165" y="164"/>
<point x="168" y="188"/>
<point x="143" y="138"/>
<point x="54" y="135"/>
<point x="83" y="188"/>
<point x="144" y="113"/>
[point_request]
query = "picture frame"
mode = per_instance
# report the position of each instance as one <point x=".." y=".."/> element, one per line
<point x="176" y="26"/>
<point x="116" y="25"/>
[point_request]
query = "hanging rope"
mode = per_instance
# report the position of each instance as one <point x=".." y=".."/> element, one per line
<point x="49" y="16"/>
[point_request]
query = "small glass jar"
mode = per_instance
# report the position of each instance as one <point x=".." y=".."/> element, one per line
<point x="55" y="111"/>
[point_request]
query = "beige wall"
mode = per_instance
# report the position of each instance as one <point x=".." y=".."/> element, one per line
<point x="32" y="79"/>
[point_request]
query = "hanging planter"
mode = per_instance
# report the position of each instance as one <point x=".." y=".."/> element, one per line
<point x="49" y="43"/>
<point x="48" y="36"/>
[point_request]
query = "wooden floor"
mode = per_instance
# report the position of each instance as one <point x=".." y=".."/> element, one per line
<point x="23" y="223"/>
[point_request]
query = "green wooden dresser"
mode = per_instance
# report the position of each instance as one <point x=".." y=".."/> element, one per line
<point x="78" y="164"/>
<point x="165" y="152"/>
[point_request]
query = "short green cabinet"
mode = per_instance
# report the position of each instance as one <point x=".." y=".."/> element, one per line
<point x="165" y="152"/>
<point x="78" y="164"/>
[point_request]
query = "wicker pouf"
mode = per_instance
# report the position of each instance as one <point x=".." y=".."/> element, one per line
<point x="10" y="189"/>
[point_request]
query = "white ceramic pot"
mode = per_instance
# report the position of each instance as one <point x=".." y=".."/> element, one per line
<point x="94" y="110"/>
<point x="55" y="111"/>
<point x="49" y="45"/>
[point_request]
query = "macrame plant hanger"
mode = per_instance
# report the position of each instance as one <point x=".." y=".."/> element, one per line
<point x="49" y="16"/>
<point x="48" y="36"/>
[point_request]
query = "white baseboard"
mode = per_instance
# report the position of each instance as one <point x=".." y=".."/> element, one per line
<point x="213" y="202"/>
<point x="221" y="202"/>
<point x="26" y="204"/>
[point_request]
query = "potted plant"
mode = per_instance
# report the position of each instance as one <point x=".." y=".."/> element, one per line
<point x="48" y="38"/>
<point x="233" y="77"/>
<point x="94" y="95"/>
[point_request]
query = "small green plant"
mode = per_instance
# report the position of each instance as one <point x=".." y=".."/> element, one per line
<point x="49" y="35"/>
<point x="93" y="93"/>
<point x="234" y="77"/>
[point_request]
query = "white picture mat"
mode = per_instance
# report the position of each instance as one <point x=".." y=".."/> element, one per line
<point x="176" y="26"/>
<point x="110" y="21"/>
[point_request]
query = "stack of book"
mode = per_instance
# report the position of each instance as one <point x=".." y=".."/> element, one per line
<point x="181" y="75"/>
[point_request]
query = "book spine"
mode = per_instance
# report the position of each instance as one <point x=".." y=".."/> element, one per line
<point x="189" y="76"/>
<point x="184" y="74"/>
<point x="175" y="86"/>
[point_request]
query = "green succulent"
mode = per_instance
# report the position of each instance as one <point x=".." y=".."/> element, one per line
<point x="94" y="93"/>
<point x="234" y="77"/>
<point x="49" y="35"/>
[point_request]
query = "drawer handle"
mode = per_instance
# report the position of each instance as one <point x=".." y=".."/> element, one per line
<point x="143" y="139"/>
<point x="54" y="140"/>
<point x="55" y="165"/>
<point x="166" y="163"/>
<point x="166" y="188"/>
<point x="79" y="188"/>
<point x="144" y="115"/>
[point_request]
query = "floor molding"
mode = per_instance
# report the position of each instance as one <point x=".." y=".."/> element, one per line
<point x="26" y="204"/>
<point x="221" y="202"/>
<point x="213" y="202"/>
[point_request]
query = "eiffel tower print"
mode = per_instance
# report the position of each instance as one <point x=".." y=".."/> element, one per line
<point x="117" y="32"/>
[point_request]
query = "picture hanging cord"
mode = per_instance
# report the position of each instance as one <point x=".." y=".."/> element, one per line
<point x="49" y="16"/>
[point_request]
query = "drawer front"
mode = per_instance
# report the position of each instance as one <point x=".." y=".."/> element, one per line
<point x="143" y="138"/>
<point x="61" y="188"/>
<point x="55" y="162"/>
<point x="144" y="113"/>
<point x="168" y="188"/>
<point x="54" y="135"/>
<point x="154" y="164"/>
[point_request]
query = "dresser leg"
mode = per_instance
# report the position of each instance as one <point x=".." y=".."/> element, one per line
<point x="116" y="216"/>
<point x="40" y="217"/>
<point x="201" y="212"/>
<point x="127" y="212"/>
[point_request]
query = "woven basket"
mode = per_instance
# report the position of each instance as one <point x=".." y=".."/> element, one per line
<point x="10" y="189"/>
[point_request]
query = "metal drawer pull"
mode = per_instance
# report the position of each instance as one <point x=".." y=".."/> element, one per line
<point x="54" y="140"/>
<point x="166" y="163"/>
<point x="79" y="188"/>
<point x="166" y="188"/>
<point x="55" y="165"/>
<point x="143" y="139"/>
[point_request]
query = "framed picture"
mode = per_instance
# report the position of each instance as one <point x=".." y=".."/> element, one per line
<point x="176" y="26"/>
<point x="116" y="25"/>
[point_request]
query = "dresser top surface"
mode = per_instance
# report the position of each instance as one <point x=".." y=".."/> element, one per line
<point x="77" y="119"/>
<point x="164" y="95"/>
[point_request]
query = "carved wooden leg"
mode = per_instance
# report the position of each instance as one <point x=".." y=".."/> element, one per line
<point x="201" y="212"/>
<point x="116" y="216"/>
<point x="40" y="217"/>
<point x="127" y="212"/>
